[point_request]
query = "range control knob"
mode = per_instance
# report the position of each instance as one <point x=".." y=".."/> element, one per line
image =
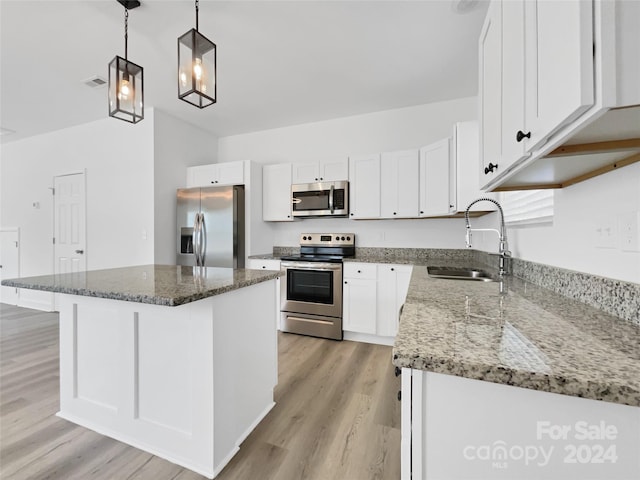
<point x="337" y="238"/>
<point x="310" y="237"/>
<point x="342" y="238"/>
<point x="349" y="238"/>
<point x="304" y="238"/>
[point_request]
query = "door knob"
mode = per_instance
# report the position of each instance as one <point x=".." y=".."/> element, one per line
<point x="80" y="252"/>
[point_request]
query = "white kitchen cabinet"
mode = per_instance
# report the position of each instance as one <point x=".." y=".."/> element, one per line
<point x="400" y="184"/>
<point x="364" y="186"/>
<point x="359" y="294"/>
<point x="393" y="285"/>
<point x="216" y="174"/>
<point x="456" y="427"/>
<point x="465" y="157"/>
<point x="276" y="193"/>
<point x="531" y="84"/>
<point x="436" y="179"/>
<point x="326" y="170"/>
<point x="372" y="297"/>
<point x="263" y="264"/>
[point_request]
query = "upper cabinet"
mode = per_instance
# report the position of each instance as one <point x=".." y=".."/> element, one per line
<point x="436" y="179"/>
<point x="276" y="193"/>
<point x="364" y="186"/>
<point x="216" y="174"/>
<point x="326" y="170"/>
<point x="548" y="71"/>
<point x="400" y="184"/>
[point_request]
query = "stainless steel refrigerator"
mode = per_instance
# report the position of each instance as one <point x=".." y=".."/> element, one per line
<point x="211" y="227"/>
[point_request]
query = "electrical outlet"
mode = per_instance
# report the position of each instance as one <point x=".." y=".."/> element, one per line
<point x="606" y="233"/>
<point x="629" y="231"/>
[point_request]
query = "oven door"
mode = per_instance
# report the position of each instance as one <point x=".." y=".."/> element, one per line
<point x="312" y="287"/>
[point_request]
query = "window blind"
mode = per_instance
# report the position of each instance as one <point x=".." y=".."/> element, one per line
<point x="527" y="207"/>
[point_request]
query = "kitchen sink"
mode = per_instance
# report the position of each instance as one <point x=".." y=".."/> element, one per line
<point x="460" y="273"/>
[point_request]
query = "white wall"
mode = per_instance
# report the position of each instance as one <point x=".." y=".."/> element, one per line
<point x="572" y="242"/>
<point x="118" y="160"/>
<point x="569" y="243"/>
<point x="410" y="127"/>
<point x="176" y="146"/>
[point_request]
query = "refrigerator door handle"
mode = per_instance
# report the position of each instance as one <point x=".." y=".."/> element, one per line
<point x="194" y="239"/>
<point x="203" y="240"/>
<point x="198" y="239"/>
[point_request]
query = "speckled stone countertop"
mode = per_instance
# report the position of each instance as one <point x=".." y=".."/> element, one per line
<point x="516" y="333"/>
<point x="168" y="285"/>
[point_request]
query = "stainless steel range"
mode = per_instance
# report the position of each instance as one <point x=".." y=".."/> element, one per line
<point x="311" y="289"/>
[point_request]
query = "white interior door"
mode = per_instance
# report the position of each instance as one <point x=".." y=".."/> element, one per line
<point x="9" y="264"/>
<point x="70" y="232"/>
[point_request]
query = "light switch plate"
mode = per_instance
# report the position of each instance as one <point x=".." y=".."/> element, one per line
<point x="629" y="223"/>
<point x="606" y="233"/>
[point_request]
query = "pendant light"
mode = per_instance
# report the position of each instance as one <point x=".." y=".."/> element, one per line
<point x="126" y="90"/>
<point x="196" y="68"/>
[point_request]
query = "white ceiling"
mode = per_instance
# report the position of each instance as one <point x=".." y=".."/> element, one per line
<point x="279" y="63"/>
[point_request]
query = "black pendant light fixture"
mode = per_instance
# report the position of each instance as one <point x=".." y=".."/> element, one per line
<point x="126" y="90"/>
<point x="196" y="68"/>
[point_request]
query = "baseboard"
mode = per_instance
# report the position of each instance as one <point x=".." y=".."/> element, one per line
<point x="368" y="338"/>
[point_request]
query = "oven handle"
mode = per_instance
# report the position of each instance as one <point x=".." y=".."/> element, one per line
<point x="314" y="266"/>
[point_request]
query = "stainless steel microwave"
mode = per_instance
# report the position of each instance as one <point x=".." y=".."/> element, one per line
<point x="320" y="199"/>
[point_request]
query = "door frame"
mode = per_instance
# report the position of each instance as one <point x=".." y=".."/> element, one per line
<point x="54" y="262"/>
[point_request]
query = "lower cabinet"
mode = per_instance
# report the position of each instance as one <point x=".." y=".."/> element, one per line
<point x="373" y="295"/>
<point x="454" y="427"/>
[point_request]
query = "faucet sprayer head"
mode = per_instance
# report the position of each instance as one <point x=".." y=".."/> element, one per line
<point x="468" y="236"/>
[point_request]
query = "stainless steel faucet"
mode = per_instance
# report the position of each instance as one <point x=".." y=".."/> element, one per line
<point x="503" y="248"/>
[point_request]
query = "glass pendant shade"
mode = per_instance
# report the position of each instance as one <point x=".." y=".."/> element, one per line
<point x="196" y="69"/>
<point x="126" y="92"/>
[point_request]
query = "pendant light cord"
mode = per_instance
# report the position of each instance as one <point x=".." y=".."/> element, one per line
<point x="197" y="9"/>
<point x="126" y="31"/>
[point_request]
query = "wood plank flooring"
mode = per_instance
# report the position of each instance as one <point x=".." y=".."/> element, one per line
<point x="336" y="415"/>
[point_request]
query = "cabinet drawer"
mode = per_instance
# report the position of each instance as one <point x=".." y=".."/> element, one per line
<point x="261" y="264"/>
<point x="360" y="270"/>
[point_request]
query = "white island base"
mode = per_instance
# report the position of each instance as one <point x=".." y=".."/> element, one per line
<point x="185" y="383"/>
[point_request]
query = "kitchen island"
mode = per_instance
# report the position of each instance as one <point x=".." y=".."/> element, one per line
<point x="504" y="380"/>
<point x="178" y="361"/>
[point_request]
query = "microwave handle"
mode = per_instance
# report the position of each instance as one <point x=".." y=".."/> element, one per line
<point x="331" y="199"/>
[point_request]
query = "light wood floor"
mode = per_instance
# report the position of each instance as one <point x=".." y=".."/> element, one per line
<point x="336" y="417"/>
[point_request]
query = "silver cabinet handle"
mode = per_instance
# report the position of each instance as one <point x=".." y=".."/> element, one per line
<point x="80" y="252"/>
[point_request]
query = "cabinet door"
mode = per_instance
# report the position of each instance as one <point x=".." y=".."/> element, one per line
<point x="465" y="139"/>
<point x="434" y="179"/>
<point x="559" y="73"/>
<point x="359" y="305"/>
<point x="231" y="173"/>
<point x="276" y="193"/>
<point x="399" y="197"/>
<point x="490" y="92"/>
<point x="306" y="172"/>
<point x="364" y="186"/>
<point x="202" y="175"/>
<point x="513" y="83"/>
<point x="333" y="170"/>
<point x="216" y="174"/>
<point x="393" y="284"/>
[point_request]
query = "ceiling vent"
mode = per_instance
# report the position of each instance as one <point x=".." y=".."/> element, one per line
<point x="95" y="81"/>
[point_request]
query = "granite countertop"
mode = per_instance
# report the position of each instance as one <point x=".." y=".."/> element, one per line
<point x="168" y="285"/>
<point x="516" y="333"/>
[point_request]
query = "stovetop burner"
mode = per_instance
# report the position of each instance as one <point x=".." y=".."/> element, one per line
<point x="325" y="247"/>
